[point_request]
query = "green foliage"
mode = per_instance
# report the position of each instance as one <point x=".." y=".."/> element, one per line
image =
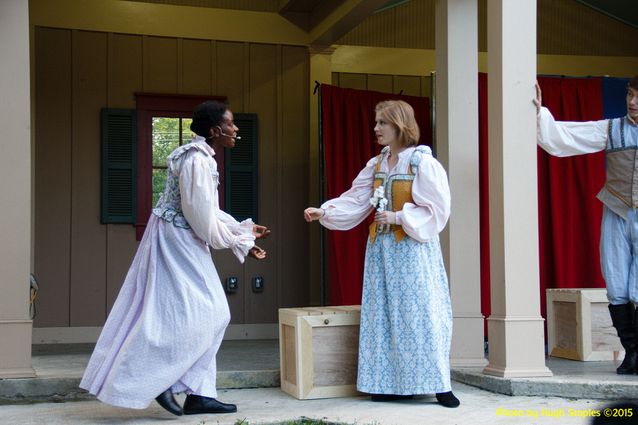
<point x="166" y="138"/>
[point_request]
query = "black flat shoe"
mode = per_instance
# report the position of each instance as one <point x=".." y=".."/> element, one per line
<point x="390" y="397"/>
<point x="628" y="365"/>
<point x="196" y="404"/>
<point x="168" y="402"/>
<point x="447" y="399"/>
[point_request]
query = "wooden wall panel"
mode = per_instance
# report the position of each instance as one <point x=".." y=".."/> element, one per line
<point x="125" y="72"/>
<point x="88" y="236"/>
<point x="160" y="65"/>
<point x="565" y="27"/>
<point x="353" y="81"/>
<point x="263" y="99"/>
<point x="411" y="85"/>
<point x="382" y="83"/>
<point x="410" y="25"/>
<point x="230" y="67"/>
<point x="196" y="67"/>
<point x="335" y="79"/>
<point x="257" y="5"/>
<point x="426" y="87"/>
<point x="408" y="85"/>
<point x="120" y="251"/>
<point x="52" y="175"/>
<point x="227" y="265"/>
<point x="294" y="170"/>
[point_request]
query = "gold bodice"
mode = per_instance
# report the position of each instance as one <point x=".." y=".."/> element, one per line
<point x="398" y="191"/>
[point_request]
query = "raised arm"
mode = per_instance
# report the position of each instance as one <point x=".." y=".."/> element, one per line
<point x="568" y="138"/>
<point x="349" y="209"/>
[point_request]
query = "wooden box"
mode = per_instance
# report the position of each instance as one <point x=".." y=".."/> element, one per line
<point x="319" y="349"/>
<point x="579" y="325"/>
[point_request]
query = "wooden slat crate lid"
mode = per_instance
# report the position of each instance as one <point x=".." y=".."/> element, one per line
<point x="318" y="311"/>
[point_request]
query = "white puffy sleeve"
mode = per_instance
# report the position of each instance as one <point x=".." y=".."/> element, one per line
<point x="428" y="215"/>
<point x="353" y="206"/>
<point x="200" y="205"/>
<point x="567" y="138"/>
<point x="237" y="227"/>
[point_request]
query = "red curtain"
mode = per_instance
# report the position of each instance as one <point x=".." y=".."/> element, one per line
<point x="347" y="123"/>
<point x="569" y="214"/>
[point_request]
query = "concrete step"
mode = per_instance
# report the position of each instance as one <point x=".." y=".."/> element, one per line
<point x="255" y="364"/>
<point x="59" y="369"/>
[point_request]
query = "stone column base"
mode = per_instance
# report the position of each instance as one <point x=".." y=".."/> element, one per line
<point x="15" y="359"/>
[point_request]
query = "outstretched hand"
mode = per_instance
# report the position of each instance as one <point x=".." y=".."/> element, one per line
<point x="538" y="101"/>
<point x="260" y="232"/>
<point x="311" y="214"/>
<point x="257" y="253"/>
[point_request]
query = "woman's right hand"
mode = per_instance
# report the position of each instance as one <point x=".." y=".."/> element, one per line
<point x="311" y="214"/>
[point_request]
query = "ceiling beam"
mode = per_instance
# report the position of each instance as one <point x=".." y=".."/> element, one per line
<point x="341" y="20"/>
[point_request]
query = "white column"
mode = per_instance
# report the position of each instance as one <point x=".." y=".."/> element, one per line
<point x="457" y="149"/>
<point x="515" y="326"/>
<point x="15" y="190"/>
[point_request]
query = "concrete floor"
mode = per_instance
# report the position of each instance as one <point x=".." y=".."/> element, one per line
<point x="577" y="388"/>
<point x="270" y="405"/>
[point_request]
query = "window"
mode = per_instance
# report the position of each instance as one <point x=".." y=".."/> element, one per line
<point x="168" y="133"/>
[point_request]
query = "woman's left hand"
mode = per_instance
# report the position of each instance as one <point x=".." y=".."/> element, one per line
<point x="385" y="217"/>
<point x="260" y="232"/>
<point x="257" y="253"/>
<point x="538" y="100"/>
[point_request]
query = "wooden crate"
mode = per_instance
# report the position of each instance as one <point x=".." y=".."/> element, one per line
<point x="579" y="325"/>
<point x="319" y="349"/>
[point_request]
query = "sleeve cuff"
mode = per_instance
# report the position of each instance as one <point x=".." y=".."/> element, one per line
<point x="241" y="245"/>
<point x="399" y="217"/>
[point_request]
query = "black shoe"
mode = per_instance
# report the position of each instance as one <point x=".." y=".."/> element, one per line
<point x="195" y="404"/>
<point x="168" y="402"/>
<point x="447" y="399"/>
<point x="629" y="363"/>
<point x="623" y="317"/>
<point x="390" y="397"/>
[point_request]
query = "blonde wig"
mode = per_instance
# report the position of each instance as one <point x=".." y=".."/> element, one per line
<point x="401" y="115"/>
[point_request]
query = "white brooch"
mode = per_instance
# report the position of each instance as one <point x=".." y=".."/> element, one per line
<point x="378" y="199"/>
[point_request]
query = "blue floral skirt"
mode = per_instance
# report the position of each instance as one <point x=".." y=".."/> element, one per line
<point x="406" y="318"/>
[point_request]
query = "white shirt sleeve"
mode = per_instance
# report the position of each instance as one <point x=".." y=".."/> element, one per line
<point x="200" y="205"/>
<point x="235" y="226"/>
<point x="428" y="215"/>
<point x="567" y="138"/>
<point x="353" y="206"/>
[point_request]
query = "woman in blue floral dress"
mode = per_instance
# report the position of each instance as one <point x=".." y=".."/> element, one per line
<point x="406" y="313"/>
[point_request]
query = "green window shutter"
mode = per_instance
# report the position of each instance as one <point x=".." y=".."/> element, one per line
<point x="119" y="134"/>
<point x="240" y="171"/>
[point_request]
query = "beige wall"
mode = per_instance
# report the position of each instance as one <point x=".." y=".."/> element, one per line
<point x="80" y="263"/>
